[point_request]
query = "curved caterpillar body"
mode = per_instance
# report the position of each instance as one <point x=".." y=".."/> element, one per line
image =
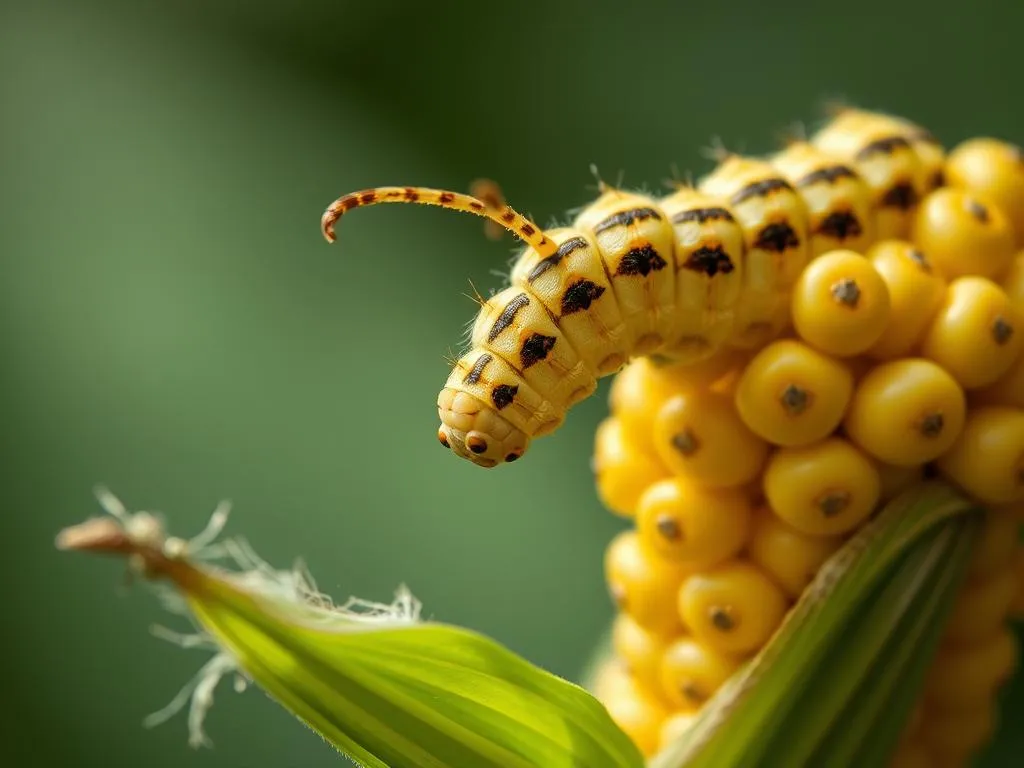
<point x="679" y="277"/>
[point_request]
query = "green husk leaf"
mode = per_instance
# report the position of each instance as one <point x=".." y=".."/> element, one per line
<point x="873" y="719"/>
<point x="782" y="707"/>
<point x="386" y="689"/>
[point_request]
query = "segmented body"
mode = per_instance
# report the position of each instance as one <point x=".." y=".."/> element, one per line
<point x="679" y="277"/>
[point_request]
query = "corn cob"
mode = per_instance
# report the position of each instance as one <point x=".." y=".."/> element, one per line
<point x="744" y="473"/>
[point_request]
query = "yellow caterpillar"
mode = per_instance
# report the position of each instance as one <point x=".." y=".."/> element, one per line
<point x="680" y="277"/>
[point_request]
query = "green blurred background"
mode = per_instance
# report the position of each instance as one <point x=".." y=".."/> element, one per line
<point x="173" y="324"/>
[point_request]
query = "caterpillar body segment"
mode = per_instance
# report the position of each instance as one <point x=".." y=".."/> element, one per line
<point x="682" y="278"/>
<point x="710" y="259"/>
<point x="838" y="200"/>
<point x="636" y="243"/>
<point x="929" y="150"/>
<point x="517" y="327"/>
<point x="774" y="219"/>
<point x="502" y="388"/>
<point x="880" y="150"/>
<point x="576" y="289"/>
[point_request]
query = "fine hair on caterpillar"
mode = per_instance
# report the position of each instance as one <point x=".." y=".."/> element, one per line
<point x="708" y="267"/>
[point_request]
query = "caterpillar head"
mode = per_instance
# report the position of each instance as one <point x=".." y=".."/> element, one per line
<point x="475" y="431"/>
<point x="471" y="427"/>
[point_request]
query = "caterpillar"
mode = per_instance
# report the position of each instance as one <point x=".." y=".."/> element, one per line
<point x="707" y="267"/>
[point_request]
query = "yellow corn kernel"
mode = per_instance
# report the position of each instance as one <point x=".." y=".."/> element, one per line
<point x="1016" y="511"/>
<point x="636" y="394"/>
<point x="916" y="290"/>
<point x="1008" y="389"/>
<point x="840" y="304"/>
<point x="906" y="412"/>
<point x="696" y="526"/>
<point x="640" y="650"/>
<point x="964" y="678"/>
<point x="981" y="608"/>
<point x="1013" y="281"/>
<point x="959" y="734"/>
<point x="993" y="550"/>
<point x="792" y="394"/>
<point x="675" y="726"/>
<point x="733" y="608"/>
<point x="622" y="469"/>
<point x="1017" y="607"/>
<point x="859" y="366"/>
<point x="910" y="754"/>
<point x="987" y="460"/>
<point x="708" y="373"/>
<point x="912" y="727"/>
<point x="637" y="713"/>
<point x="642" y="584"/>
<point x="824" y="489"/>
<point x="976" y="334"/>
<point x="691" y="672"/>
<point x="895" y="480"/>
<point x="994" y="170"/>
<point x="963" y="235"/>
<point x="612" y="676"/>
<point x="789" y="557"/>
<point x="699" y="435"/>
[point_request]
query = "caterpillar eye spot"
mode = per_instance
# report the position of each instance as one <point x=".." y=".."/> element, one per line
<point x="443" y="438"/>
<point x="476" y="444"/>
<point x="512" y="457"/>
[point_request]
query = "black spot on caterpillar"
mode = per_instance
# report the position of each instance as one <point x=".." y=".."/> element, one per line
<point x="710" y="260"/>
<point x="580" y="295"/>
<point x="641" y="261"/>
<point x="503" y="394"/>
<point x="535" y="349"/>
<point x="777" y="237"/>
<point x="902" y="196"/>
<point x="840" y="225"/>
